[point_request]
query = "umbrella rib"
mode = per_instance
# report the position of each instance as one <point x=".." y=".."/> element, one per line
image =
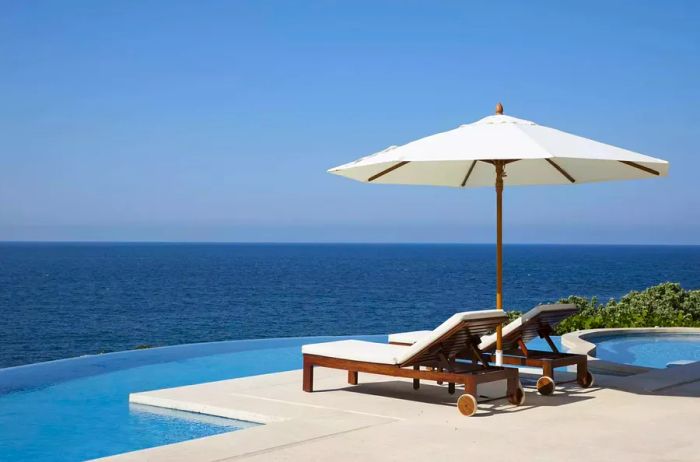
<point x="388" y="170"/>
<point x="466" y="177"/>
<point x="640" y="167"/>
<point x="561" y="170"/>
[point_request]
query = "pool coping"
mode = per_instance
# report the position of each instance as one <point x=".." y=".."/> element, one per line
<point x="379" y="415"/>
<point x="579" y="342"/>
<point x="283" y="420"/>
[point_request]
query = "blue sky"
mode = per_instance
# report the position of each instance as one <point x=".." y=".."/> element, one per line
<point x="216" y="121"/>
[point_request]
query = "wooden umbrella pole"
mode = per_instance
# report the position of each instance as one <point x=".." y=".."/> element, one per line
<point x="500" y="167"/>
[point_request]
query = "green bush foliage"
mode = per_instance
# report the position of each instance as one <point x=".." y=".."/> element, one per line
<point x="513" y="315"/>
<point x="664" y="305"/>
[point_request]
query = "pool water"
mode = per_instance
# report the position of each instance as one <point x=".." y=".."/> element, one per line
<point x="650" y="350"/>
<point x="79" y="409"/>
<point x="84" y="413"/>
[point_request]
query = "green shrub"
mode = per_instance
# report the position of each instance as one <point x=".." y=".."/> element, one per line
<point x="513" y="315"/>
<point x="664" y="305"/>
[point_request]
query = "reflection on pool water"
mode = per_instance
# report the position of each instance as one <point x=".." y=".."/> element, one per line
<point x="650" y="350"/>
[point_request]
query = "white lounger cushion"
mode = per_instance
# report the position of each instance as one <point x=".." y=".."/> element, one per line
<point x="357" y="350"/>
<point x="408" y="338"/>
<point x="382" y="353"/>
<point x="488" y="342"/>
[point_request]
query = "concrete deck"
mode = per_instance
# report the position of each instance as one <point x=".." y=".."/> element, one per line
<point x="385" y="419"/>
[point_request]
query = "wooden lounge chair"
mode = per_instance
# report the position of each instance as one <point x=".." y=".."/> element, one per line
<point x="437" y="351"/>
<point x="538" y="322"/>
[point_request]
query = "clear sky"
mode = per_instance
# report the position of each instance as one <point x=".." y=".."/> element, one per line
<point x="216" y="120"/>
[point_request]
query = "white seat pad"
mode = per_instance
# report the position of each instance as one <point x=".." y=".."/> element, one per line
<point x="356" y="350"/>
<point x="383" y="353"/>
<point x="408" y="338"/>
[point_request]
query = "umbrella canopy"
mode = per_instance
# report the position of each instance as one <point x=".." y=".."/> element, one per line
<point x="534" y="155"/>
<point x="500" y="151"/>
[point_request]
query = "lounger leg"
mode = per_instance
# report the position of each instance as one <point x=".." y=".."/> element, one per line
<point x="416" y="382"/>
<point x="352" y="377"/>
<point x="440" y="369"/>
<point x="515" y="391"/>
<point x="547" y="369"/>
<point x="583" y="377"/>
<point x="581" y="370"/>
<point x="469" y="386"/>
<point x="511" y="386"/>
<point x="308" y="376"/>
<point x="451" y="388"/>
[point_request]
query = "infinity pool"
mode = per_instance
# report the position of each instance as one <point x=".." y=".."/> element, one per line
<point x="650" y="350"/>
<point x="78" y="409"/>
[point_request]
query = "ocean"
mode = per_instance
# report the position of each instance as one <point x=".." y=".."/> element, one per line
<point x="60" y="300"/>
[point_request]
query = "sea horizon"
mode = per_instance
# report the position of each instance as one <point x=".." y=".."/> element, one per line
<point x="102" y="296"/>
<point x="553" y="244"/>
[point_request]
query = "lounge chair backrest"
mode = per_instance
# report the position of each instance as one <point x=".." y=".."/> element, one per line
<point x="542" y="318"/>
<point x="452" y="336"/>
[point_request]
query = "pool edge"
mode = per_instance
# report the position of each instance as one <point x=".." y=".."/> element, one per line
<point x="579" y="342"/>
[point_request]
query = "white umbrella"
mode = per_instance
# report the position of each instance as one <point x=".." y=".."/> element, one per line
<point x="499" y="151"/>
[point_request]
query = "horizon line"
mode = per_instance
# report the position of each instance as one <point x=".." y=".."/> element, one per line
<point x="338" y="243"/>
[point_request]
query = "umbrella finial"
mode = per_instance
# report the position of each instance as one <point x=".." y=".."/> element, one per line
<point x="499" y="109"/>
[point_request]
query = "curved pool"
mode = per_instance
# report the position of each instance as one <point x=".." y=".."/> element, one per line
<point x="647" y="349"/>
<point x="78" y="409"/>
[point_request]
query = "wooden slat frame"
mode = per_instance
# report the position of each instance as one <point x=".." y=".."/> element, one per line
<point x="539" y="326"/>
<point x="468" y="375"/>
<point x="532" y="328"/>
<point x="457" y="339"/>
<point x="548" y="361"/>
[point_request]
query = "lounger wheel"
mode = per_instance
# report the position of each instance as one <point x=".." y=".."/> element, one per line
<point x="466" y="404"/>
<point x="518" y="397"/>
<point x="587" y="381"/>
<point x="545" y="385"/>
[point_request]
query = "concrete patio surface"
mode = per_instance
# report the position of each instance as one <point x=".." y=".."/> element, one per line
<point x="385" y="419"/>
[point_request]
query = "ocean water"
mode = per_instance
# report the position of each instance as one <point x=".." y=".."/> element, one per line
<point x="65" y="300"/>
